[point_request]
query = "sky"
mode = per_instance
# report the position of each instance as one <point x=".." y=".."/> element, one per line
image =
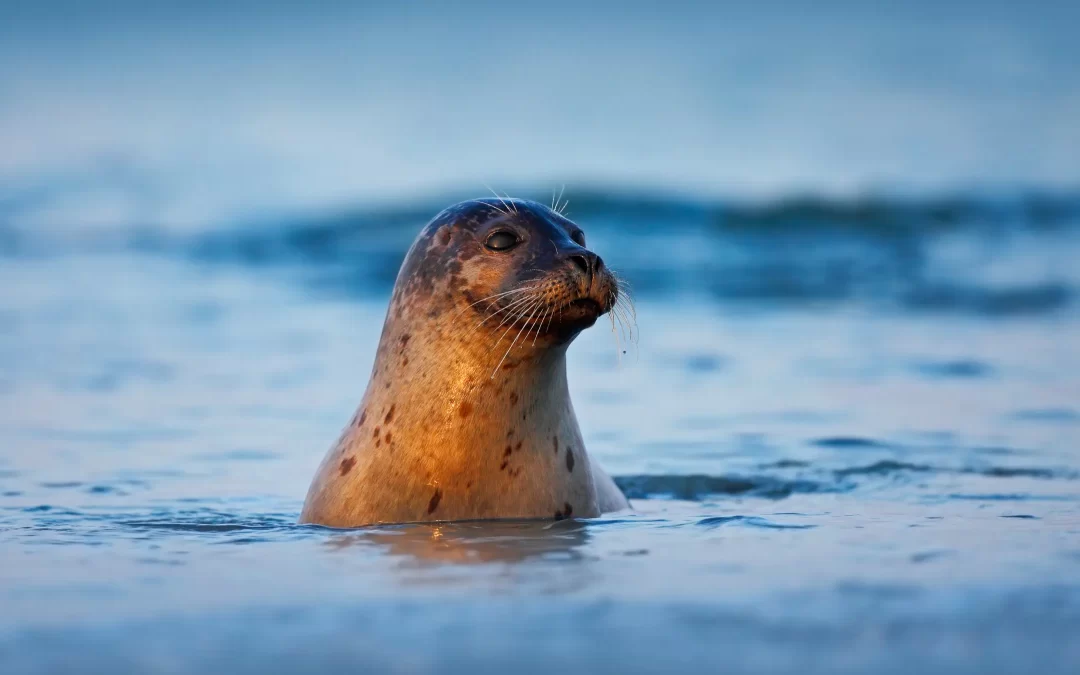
<point x="190" y="114"/>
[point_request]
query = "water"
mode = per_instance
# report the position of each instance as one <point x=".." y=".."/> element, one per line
<point x="849" y="431"/>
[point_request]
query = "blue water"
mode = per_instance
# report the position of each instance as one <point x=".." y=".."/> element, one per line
<point x="849" y="430"/>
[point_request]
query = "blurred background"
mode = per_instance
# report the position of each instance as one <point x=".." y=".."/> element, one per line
<point x="848" y="420"/>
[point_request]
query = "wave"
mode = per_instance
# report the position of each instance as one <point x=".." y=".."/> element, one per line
<point x="811" y="480"/>
<point x="933" y="255"/>
<point x="697" y="486"/>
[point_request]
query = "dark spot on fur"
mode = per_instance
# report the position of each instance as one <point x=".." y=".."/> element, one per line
<point x="464" y="409"/>
<point x="503" y="465"/>
<point x="388" y="437"/>
<point x="555" y="439"/>
<point x="405" y="361"/>
<point x="518" y="446"/>
<point x="567" y="509"/>
<point x="434" y="503"/>
<point x="513" y="398"/>
<point x="390" y="413"/>
<point x="506" y="453"/>
<point x="375" y="434"/>
<point x="570" y="459"/>
<point x="347" y="465"/>
<point x="468" y="485"/>
<point x="559" y="515"/>
<point x="509" y="365"/>
<point x="378" y="442"/>
<point x="405" y="339"/>
<point x="510" y="433"/>
<point x="363" y="417"/>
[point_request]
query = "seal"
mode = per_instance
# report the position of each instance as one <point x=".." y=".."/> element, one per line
<point x="467" y="414"/>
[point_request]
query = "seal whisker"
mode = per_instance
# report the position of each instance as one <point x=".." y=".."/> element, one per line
<point x="513" y="303"/>
<point x="626" y="328"/>
<point x="510" y="202"/>
<point x="509" y="319"/>
<point x="514" y="318"/>
<point x="621" y="316"/>
<point x="617" y="320"/>
<point x="507" y="212"/>
<point x="530" y="321"/>
<point x="615" y="333"/>
<point x="627" y="301"/>
<point x="517" y="317"/>
<point x="539" y="324"/>
<point x="629" y="316"/>
<point x="499" y="295"/>
<point x="492" y="297"/>
<point x="547" y="321"/>
<point x="535" y="306"/>
<point x="517" y="304"/>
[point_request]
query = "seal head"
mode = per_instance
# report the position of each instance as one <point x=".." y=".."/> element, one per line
<point x="467" y="413"/>
<point x="517" y="260"/>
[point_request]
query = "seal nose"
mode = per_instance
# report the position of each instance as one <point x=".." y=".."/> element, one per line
<point x="588" y="262"/>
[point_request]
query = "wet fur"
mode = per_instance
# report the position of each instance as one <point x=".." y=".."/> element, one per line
<point x="455" y="424"/>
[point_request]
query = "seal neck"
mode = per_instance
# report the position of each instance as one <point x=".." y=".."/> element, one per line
<point x="450" y="388"/>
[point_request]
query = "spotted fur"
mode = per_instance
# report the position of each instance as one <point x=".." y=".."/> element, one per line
<point x="467" y="409"/>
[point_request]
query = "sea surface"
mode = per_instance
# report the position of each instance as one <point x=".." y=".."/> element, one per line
<point x="850" y="431"/>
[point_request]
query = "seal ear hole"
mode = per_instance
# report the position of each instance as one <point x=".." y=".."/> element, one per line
<point x="502" y="240"/>
<point x="579" y="238"/>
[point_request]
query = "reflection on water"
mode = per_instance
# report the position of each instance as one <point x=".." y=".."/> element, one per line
<point x="469" y="543"/>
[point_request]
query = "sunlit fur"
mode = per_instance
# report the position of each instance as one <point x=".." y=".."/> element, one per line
<point x="467" y="413"/>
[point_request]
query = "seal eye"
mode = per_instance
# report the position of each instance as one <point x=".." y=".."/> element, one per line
<point x="502" y="241"/>
<point x="579" y="238"/>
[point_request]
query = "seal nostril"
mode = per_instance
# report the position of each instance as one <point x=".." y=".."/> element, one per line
<point x="598" y="263"/>
<point x="582" y="262"/>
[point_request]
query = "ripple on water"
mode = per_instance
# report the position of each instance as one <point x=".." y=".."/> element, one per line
<point x="849" y="443"/>
<point x="958" y="369"/>
<point x="210" y="522"/>
<point x="695" y="487"/>
<point x="929" y="556"/>
<point x="1011" y="497"/>
<point x="1053" y="415"/>
<point x="750" y="521"/>
<point x="240" y="455"/>
<point x="888" y="466"/>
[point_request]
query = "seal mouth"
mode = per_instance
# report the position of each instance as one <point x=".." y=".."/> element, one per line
<point x="575" y="315"/>
<point x="581" y="313"/>
<point x="585" y="305"/>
